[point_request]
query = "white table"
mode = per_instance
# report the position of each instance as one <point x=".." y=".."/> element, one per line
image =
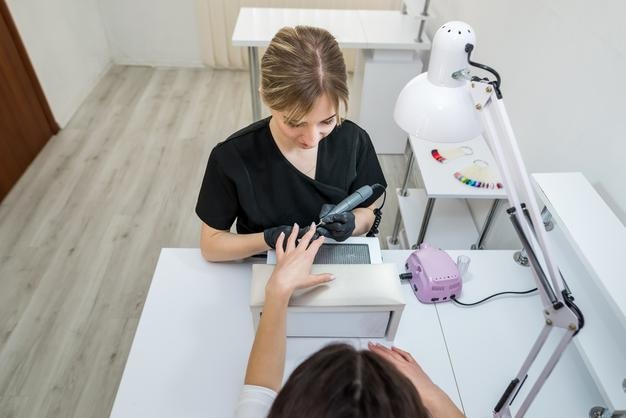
<point x="373" y="33"/>
<point x="488" y="343"/>
<point x="591" y="257"/>
<point x="453" y="227"/>
<point x="191" y="346"/>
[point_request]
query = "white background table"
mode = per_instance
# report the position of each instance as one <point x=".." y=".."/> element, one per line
<point x="387" y="59"/>
<point x="191" y="346"/>
<point x="256" y="26"/>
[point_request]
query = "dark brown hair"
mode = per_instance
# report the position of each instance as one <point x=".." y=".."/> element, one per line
<point x="300" y="65"/>
<point x="341" y="382"/>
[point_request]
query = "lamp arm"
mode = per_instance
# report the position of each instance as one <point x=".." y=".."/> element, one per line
<point x="559" y="310"/>
<point x="501" y="139"/>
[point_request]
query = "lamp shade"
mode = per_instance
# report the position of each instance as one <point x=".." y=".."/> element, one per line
<point x="434" y="106"/>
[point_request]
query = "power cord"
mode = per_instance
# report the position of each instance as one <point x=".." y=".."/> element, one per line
<point x="526" y="292"/>
<point x="378" y="213"/>
<point x="496" y="83"/>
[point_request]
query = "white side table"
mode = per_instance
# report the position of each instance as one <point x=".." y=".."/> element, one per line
<point x="392" y="58"/>
<point x="453" y="227"/>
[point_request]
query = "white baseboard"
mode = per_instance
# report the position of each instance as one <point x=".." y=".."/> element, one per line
<point x="164" y="64"/>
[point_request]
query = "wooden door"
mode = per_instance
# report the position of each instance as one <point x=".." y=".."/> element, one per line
<point x="26" y="122"/>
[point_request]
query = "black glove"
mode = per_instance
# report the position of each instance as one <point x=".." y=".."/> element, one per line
<point x="339" y="226"/>
<point x="271" y="234"/>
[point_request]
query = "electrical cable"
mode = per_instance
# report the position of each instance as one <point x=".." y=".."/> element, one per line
<point x="378" y="213"/>
<point x="498" y="81"/>
<point x="525" y="292"/>
<point x="569" y="301"/>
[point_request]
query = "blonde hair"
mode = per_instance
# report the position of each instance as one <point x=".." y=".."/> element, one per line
<point x="300" y="65"/>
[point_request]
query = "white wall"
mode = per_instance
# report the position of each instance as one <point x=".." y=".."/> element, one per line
<point x="66" y="43"/>
<point x="152" y="32"/>
<point x="563" y="64"/>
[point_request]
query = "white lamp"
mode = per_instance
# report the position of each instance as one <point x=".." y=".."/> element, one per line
<point x="434" y="106"/>
<point x="442" y="106"/>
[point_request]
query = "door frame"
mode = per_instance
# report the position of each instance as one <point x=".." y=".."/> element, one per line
<point x="5" y="14"/>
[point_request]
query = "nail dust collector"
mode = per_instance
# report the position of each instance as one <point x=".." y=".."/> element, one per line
<point x="364" y="301"/>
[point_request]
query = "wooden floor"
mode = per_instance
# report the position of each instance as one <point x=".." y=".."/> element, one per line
<point x="81" y="231"/>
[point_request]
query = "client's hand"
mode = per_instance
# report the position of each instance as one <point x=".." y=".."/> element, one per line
<point x="270" y="235"/>
<point x="435" y="399"/>
<point x="406" y="364"/>
<point x="293" y="266"/>
<point x="338" y="226"/>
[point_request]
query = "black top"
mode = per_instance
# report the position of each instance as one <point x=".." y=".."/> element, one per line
<point x="249" y="179"/>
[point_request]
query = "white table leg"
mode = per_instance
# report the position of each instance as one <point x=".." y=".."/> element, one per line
<point x="480" y="244"/>
<point x="425" y="220"/>
<point x="403" y="192"/>
<point x="253" y="62"/>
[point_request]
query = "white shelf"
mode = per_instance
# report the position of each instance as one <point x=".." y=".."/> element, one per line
<point x="439" y="180"/>
<point x="450" y="227"/>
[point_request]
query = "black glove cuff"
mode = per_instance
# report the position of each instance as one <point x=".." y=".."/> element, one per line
<point x="269" y="239"/>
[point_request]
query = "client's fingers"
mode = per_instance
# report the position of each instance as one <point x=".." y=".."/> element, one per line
<point x="291" y="241"/>
<point x="280" y="251"/>
<point x="315" y="245"/>
<point x="385" y="352"/>
<point x="405" y="354"/>
<point x="316" y="279"/>
<point x="306" y="238"/>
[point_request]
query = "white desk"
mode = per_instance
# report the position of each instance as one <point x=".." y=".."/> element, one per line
<point x="589" y="246"/>
<point x="488" y="343"/>
<point x="191" y="346"/>
<point x="372" y="32"/>
<point x="453" y="227"/>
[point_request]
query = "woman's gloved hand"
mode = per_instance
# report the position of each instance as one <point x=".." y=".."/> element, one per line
<point x="271" y="234"/>
<point x="339" y="226"/>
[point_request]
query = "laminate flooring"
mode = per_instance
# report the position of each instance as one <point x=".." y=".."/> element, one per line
<point x="81" y="231"/>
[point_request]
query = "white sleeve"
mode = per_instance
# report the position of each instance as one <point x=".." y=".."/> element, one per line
<point x="254" y="402"/>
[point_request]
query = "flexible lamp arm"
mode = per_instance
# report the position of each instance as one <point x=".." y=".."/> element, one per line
<point x="559" y="309"/>
<point x="489" y="103"/>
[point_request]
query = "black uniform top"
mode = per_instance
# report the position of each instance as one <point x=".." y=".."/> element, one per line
<point x="249" y="179"/>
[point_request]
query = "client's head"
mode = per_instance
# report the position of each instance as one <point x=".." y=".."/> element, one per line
<point x="340" y="382"/>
